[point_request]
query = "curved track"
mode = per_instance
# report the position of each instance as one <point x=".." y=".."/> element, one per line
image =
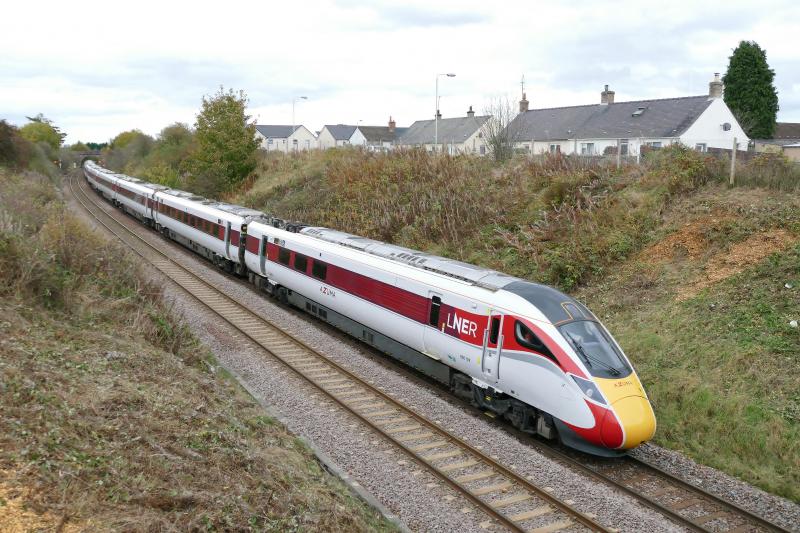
<point x="501" y="493"/>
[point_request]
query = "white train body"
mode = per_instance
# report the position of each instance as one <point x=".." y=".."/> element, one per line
<point x="525" y="351"/>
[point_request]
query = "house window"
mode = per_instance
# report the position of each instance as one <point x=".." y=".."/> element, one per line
<point x="623" y="147"/>
<point x="294" y="142"/>
<point x="269" y="141"/>
<point x="526" y="147"/>
<point x="308" y="145"/>
<point x="654" y="144"/>
<point x="587" y="148"/>
<point x="700" y="147"/>
<point x="555" y="148"/>
<point x="483" y="149"/>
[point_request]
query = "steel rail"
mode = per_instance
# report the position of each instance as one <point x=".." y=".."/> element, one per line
<point x="243" y="319"/>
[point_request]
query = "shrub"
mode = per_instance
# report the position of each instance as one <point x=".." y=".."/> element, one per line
<point x="773" y="171"/>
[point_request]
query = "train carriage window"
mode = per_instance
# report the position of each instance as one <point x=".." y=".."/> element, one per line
<point x="494" y="333"/>
<point x="284" y="255"/>
<point x="436" y="306"/>
<point x="300" y="262"/>
<point x="527" y="338"/>
<point x="319" y="270"/>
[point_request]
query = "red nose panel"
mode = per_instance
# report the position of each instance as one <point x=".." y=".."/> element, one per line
<point x="611" y="432"/>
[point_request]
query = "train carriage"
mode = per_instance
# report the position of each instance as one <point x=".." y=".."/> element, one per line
<point x="102" y="180"/>
<point x="213" y="229"/>
<point x="137" y="197"/>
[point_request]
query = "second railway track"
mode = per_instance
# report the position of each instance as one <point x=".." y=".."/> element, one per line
<point x="504" y="495"/>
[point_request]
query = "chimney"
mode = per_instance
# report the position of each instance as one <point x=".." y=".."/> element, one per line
<point x="715" y="87"/>
<point x="470" y="113"/>
<point x="392" y="125"/>
<point x="523" y="104"/>
<point x="607" y="97"/>
<point x="438" y="114"/>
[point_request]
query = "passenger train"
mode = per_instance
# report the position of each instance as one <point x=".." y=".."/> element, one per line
<point x="521" y="350"/>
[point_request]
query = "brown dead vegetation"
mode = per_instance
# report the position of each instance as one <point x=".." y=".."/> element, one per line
<point x="740" y="256"/>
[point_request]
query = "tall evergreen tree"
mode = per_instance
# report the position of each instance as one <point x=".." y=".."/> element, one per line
<point x="749" y="90"/>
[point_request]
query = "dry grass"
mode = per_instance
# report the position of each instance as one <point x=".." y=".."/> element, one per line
<point x="114" y="418"/>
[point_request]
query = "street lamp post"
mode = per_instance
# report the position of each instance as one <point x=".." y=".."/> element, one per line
<point x="436" y="115"/>
<point x="294" y="101"/>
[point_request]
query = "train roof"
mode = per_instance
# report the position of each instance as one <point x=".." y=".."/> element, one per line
<point x="475" y="275"/>
<point x="238" y="210"/>
<point x="558" y="307"/>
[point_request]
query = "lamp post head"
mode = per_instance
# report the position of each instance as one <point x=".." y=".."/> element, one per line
<point x="451" y="75"/>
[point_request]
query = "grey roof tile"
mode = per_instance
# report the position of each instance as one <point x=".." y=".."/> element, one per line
<point x="341" y="132"/>
<point x="787" y="130"/>
<point x="455" y="130"/>
<point x="275" y="131"/>
<point x="668" y="117"/>
<point x="379" y="133"/>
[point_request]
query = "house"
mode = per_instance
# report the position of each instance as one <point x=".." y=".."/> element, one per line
<point x="377" y="138"/>
<point x="701" y="122"/>
<point x="333" y="135"/>
<point x="785" y="140"/>
<point x="459" y="135"/>
<point x="285" y="138"/>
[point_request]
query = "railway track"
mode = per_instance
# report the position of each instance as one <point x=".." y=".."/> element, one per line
<point x="504" y="495"/>
<point x="684" y="503"/>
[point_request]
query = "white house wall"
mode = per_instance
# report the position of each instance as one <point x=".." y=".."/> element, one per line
<point x="305" y="139"/>
<point x="707" y="129"/>
<point x="325" y="140"/>
<point x="357" y="138"/>
<point x="573" y="146"/>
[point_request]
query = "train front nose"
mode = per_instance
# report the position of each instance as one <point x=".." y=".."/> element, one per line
<point x="635" y="415"/>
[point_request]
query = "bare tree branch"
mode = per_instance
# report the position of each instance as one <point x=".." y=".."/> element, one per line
<point x="500" y="132"/>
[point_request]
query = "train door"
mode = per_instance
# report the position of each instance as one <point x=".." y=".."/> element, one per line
<point x="432" y="333"/>
<point x="262" y="253"/>
<point x="492" y="345"/>
<point x="228" y="240"/>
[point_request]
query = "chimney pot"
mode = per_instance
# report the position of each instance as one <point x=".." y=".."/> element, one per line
<point x="523" y="104"/>
<point x="470" y="113"/>
<point x="607" y="97"/>
<point x="392" y="124"/>
<point x="715" y="87"/>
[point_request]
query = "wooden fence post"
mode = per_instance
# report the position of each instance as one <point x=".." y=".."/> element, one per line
<point x="733" y="161"/>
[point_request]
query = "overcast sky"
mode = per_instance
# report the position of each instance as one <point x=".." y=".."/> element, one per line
<point x="98" y="68"/>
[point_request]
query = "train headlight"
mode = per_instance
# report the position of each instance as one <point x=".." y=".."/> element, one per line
<point x="589" y="389"/>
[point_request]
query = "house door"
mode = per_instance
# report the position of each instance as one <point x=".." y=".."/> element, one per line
<point x="492" y="346"/>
